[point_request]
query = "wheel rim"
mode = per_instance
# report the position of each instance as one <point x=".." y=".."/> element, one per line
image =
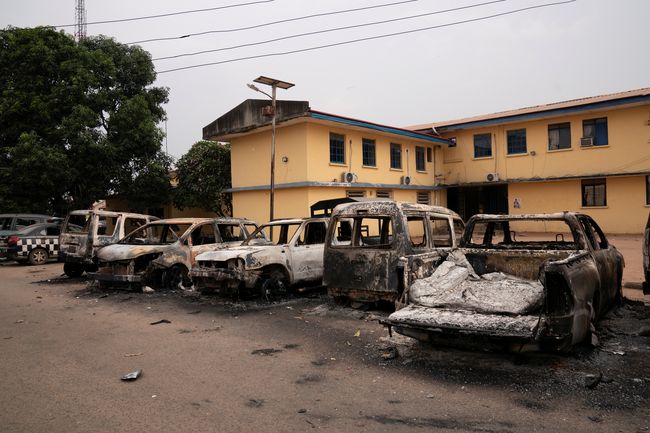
<point x="39" y="257"/>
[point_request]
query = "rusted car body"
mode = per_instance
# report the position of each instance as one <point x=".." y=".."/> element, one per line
<point x="78" y="249"/>
<point x="161" y="253"/>
<point x="279" y="254"/>
<point x="376" y="248"/>
<point x="646" y="258"/>
<point x="544" y="286"/>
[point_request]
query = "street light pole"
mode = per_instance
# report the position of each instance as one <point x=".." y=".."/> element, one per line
<point x="274" y="85"/>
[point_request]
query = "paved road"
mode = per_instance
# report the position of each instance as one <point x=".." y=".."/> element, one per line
<point x="293" y="367"/>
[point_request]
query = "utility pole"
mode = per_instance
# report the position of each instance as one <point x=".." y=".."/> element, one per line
<point x="274" y="85"/>
<point x="80" y="20"/>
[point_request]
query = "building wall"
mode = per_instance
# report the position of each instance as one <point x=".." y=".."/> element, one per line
<point x="626" y="211"/>
<point x="628" y="149"/>
<point x="532" y="176"/>
<point x="306" y="148"/>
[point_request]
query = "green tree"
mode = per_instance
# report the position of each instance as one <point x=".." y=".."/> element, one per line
<point x="78" y="122"/>
<point x="203" y="174"/>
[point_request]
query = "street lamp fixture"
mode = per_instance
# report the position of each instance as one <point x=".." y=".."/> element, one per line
<point x="274" y="85"/>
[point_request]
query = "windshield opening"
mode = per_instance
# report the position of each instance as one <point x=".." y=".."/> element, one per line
<point x="156" y="234"/>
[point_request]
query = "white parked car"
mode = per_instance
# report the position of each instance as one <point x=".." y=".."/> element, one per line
<point x="279" y="254"/>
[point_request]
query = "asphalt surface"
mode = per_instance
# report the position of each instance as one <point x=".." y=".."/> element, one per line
<point x="300" y="365"/>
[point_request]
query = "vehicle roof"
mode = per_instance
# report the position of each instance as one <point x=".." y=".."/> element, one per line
<point x="388" y="206"/>
<point x="531" y="216"/>
<point x="109" y="213"/>
<point x="38" y="215"/>
<point x="200" y="220"/>
<point x="295" y="220"/>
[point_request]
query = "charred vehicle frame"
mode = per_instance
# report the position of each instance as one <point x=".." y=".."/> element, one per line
<point x="384" y="246"/>
<point x="161" y="253"/>
<point x="279" y="254"/>
<point x="577" y="276"/>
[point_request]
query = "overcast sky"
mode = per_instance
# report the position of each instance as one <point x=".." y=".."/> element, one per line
<point x="556" y="53"/>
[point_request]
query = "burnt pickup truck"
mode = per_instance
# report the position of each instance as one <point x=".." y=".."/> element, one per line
<point x="161" y="253"/>
<point x="279" y="254"/>
<point x="375" y="249"/>
<point x="529" y="279"/>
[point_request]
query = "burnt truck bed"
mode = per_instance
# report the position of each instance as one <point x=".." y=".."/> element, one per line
<point x="546" y="293"/>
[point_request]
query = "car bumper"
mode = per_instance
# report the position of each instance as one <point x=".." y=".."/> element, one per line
<point x="115" y="278"/>
<point x="217" y="278"/>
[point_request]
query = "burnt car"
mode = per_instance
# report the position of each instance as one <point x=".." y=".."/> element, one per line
<point x="279" y="254"/>
<point x="383" y="246"/>
<point x="539" y="279"/>
<point x="646" y="258"/>
<point x="78" y="248"/>
<point x="161" y="253"/>
<point x="34" y="244"/>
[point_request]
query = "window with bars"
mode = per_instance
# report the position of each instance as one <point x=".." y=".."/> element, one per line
<point x="594" y="192"/>
<point x="559" y="136"/>
<point x="596" y="129"/>
<point x="383" y="194"/>
<point x="517" y="142"/>
<point x="355" y="193"/>
<point x="368" y="150"/>
<point x="482" y="145"/>
<point x="429" y="154"/>
<point x="423" y="198"/>
<point x="419" y="158"/>
<point x="395" y="156"/>
<point x="337" y="148"/>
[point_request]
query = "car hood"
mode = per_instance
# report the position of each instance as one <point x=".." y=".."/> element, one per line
<point x="117" y="252"/>
<point x="236" y="252"/>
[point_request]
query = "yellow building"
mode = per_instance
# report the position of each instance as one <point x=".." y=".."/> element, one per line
<point x="590" y="155"/>
<point x="321" y="156"/>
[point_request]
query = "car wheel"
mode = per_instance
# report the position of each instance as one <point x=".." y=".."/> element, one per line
<point x="176" y="275"/>
<point x="273" y="286"/>
<point x="38" y="256"/>
<point x="73" y="270"/>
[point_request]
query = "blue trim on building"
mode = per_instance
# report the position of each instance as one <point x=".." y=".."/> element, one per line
<point x="387" y="129"/>
<point x="333" y="185"/>
<point x="541" y="114"/>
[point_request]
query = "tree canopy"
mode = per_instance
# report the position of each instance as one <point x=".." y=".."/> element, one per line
<point x="203" y="174"/>
<point x="78" y="122"/>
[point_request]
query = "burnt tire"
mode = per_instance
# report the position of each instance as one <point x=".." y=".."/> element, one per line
<point x="73" y="270"/>
<point x="38" y="256"/>
<point x="174" y="276"/>
<point x="272" y="286"/>
<point x="596" y="306"/>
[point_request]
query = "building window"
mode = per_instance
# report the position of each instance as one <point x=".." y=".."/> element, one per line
<point x="383" y="194"/>
<point x="453" y="142"/>
<point x="396" y="156"/>
<point x="482" y="145"/>
<point x="429" y="154"/>
<point x="356" y="193"/>
<point x="647" y="190"/>
<point x="337" y="148"/>
<point x="424" y="198"/>
<point x="559" y="136"/>
<point x="369" y="158"/>
<point x="594" y="192"/>
<point x="419" y="158"/>
<point x="595" y="132"/>
<point x="517" y="142"/>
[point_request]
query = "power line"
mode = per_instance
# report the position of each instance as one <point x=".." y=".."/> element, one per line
<point x="319" y="47"/>
<point x="328" y="30"/>
<point x="287" y="20"/>
<point x="147" y="17"/>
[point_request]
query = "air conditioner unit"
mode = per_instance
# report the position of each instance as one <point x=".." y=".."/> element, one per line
<point x="587" y="141"/>
<point x="348" y="177"/>
<point x="406" y="180"/>
<point x="492" y="177"/>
